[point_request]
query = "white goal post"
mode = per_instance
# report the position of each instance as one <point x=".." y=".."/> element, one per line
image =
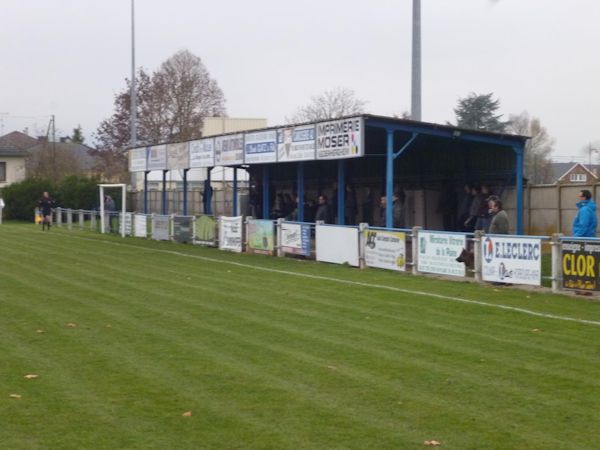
<point x="123" y="208"/>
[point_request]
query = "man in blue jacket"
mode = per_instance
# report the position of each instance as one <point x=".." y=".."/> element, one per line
<point x="585" y="222"/>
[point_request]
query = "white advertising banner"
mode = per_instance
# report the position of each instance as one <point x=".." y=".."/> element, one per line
<point x="385" y="249"/>
<point x="126" y="222"/>
<point x="296" y="143"/>
<point x="512" y="260"/>
<point x="295" y="238"/>
<point x="137" y="159"/>
<point x="202" y="153"/>
<point x="178" y="157"/>
<point x="140" y="225"/>
<point x="438" y="253"/>
<point x="229" y="150"/>
<point x="230" y="233"/>
<point x="160" y="228"/>
<point x="260" y="147"/>
<point x="340" y="138"/>
<point x="157" y="157"/>
<point x="337" y="244"/>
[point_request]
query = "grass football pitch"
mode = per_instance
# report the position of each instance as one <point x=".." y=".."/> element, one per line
<point x="131" y="343"/>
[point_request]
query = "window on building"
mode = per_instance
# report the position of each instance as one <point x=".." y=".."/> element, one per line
<point x="2" y="171"/>
<point x="578" y="177"/>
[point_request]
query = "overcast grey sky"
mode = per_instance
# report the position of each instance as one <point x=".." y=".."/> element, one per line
<point x="69" y="57"/>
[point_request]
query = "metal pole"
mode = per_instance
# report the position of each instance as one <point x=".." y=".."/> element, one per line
<point x="146" y="192"/>
<point x="265" y="183"/>
<point x="415" y="113"/>
<point x="235" y="193"/>
<point x="341" y="191"/>
<point x="389" y="180"/>
<point x="519" y="175"/>
<point x="300" y="189"/>
<point x="133" y="99"/>
<point x="185" y="192"/>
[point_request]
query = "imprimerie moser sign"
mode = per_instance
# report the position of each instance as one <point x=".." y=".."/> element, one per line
<point x="340" y="138"/>
<point x="580" y="265"/>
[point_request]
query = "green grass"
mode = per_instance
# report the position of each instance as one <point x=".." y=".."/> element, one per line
<point x="265" y="359"/>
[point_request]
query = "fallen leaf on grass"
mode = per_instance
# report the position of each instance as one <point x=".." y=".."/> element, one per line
<point x="16" y="396"/>
<point x="71" y="325"/>
<point x="187" y="414"/>
<point x="496" y="290"/>
<point x="535" y="330"/>
<point x="40" y="331"/>
<point x="108" y="326"/>
<point x="31" y="376"/>
<point x="332" y="367"/>
<point x="434" y="443"/>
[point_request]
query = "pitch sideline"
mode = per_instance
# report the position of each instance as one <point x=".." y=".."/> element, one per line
<point x="353" y="283"/>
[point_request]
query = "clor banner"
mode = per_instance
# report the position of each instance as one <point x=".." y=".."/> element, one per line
<point x="438" y="253"/>
<point x="385" y="249"/>
<point x="137" y="159"/>
<point x="230" y="233"/>
<point x="126" y="222"/>
<point x="202" y="153"/>
<point x="512" y="260"/>
<point x="580" y="265"/>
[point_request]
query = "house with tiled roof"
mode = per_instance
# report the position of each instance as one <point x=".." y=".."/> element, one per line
<point x="13" y="156"/>
<point x="577" y="173"/>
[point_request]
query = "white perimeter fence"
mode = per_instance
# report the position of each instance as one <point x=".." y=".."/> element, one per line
<point x="565" y="263"/>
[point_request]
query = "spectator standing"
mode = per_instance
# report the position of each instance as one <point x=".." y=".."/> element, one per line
<point x="465" y="205"/>
<point x="323" y="212"/>
<point x="110" y="208"/>
<point x="585" y="222"/>
<point x="350" y="207"/>
<point x="499" y="223"/>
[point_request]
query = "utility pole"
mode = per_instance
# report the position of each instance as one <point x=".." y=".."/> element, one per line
<point x="133" y="105"/>
<point x="415" y="110"/>
<point x="54" y="174"/>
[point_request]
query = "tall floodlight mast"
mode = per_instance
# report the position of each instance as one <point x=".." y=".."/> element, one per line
<point x="133" y="104"/>
<point x="415" y="110"/>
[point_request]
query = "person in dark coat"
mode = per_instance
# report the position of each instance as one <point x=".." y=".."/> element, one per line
<point x="46" y="204"/>
<point x="323" y="211"/>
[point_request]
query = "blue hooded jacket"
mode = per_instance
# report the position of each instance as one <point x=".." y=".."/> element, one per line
<point x="585" y="222"/>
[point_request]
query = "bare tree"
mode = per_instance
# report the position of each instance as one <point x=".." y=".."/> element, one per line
<point x="338" y="102"/>
<point x="538" y="166"/>
<point x="53" y="161"/>
<point x="172" y="105"/>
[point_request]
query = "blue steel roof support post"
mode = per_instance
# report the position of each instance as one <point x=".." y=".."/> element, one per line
<point x="235" y="192"/>
<point x="341" y="190"/>
<point x="300" y="191"/>
<point x="207" y="194"/>
<point x="389" y="179"/>
<point x="164" y="192"/>
<point x="519" y="151"/>
<point x="265" y="184"/>
<point x="185" y="192"/>
<point x="146" y="191"/>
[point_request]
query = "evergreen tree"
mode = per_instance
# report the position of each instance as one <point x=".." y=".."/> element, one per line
<point x="479" y="112"/>
<point x="77" y="137"/>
